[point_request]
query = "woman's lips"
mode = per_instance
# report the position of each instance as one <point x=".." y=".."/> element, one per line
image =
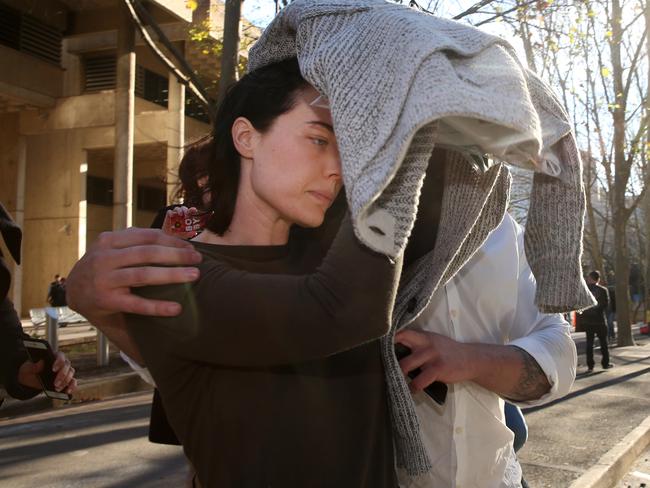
<point x="326" y="198"/>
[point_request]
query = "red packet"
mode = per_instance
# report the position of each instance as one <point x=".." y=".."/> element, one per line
<point x="189" y="223"/>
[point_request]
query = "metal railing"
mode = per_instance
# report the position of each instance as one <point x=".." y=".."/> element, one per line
<point x="52" y="317"/>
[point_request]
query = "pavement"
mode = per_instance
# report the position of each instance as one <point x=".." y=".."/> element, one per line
<point x="595" y="437"/>
<point x="638" y="476"/>
<point x="99" y="444"/>
<point x="591" y="437"/>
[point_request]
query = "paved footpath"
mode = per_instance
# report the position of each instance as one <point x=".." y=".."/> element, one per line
<point x="92" y="445"/>
<point x="568" y="438"/>
<point x="578" y="441"/>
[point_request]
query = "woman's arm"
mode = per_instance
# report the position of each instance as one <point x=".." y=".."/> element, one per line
<point x="233" y="317"/>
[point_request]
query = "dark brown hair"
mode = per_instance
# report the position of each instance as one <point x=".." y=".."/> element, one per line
<point x="192" y="167"/>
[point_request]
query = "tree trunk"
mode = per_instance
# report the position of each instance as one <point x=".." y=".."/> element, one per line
<point x="621" y="178"/>
<point x="646" y="198"/>
<point x="646" y="274"/>
<point x="592" y="236"/>
<point x="623" y="318"/>
<point x="230" y="53"/>
<point x="524" y="34"/>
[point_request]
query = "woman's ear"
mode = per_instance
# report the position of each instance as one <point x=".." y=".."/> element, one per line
<point x="244" y="137"/>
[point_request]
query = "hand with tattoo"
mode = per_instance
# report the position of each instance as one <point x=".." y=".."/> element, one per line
<point x="508" y="371"/>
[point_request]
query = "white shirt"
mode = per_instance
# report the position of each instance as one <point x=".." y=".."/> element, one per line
<point x="490" y="300"/>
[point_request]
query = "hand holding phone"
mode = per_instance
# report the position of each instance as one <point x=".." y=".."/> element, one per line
<point x="40" y="350"/>
<point x="436" y="390"/>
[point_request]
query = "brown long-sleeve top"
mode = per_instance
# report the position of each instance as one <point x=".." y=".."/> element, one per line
<point x="271" y="376"/>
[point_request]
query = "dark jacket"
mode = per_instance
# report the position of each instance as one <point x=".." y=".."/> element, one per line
<point x="12" y="352"/>
<point x="596" y="315"/>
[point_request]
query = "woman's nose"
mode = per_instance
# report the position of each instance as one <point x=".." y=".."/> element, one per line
<point x="333" y="169"/>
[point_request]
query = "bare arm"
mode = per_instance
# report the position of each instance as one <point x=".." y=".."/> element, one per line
<point x="508" y="371"/>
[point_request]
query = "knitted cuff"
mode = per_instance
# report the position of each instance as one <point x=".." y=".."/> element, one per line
<point x="560" y="292"/>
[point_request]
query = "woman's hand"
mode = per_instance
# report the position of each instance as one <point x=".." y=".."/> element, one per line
<point x="99" y="285"/>
<point x="64" y="380"/>
<point x="175" y="225"/>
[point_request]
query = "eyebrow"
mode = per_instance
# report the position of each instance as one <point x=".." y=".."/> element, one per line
<point x="322" y="124"/>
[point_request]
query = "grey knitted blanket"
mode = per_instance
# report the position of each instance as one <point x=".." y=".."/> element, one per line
<point x="400" y="81"/>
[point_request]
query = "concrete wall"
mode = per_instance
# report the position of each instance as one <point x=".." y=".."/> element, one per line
<point x="28" y="78"/>
<point x="51" y="226"/>
<point x="58" y="225"/>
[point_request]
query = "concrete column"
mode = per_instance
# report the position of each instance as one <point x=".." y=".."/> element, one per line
<point x="124" y="130"/>
<point x="83" y="207"/>
<point x="175" y="133"/>
<point x="124" y="124"/>
<point x="19" y="217"/>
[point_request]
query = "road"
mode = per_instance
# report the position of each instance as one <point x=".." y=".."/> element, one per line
<point x="99" y="444"/>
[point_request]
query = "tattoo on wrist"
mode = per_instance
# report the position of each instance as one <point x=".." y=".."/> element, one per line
<point x="533" y="382"/>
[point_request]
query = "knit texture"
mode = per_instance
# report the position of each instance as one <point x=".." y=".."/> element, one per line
<point x="399" y="82"/>
<point x="471" y="83"/>
<point x="473" y="205"/>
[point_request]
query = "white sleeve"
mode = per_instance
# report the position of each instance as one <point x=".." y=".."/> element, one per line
<point x="546" y="337"/>
<point x="142" y="372"/>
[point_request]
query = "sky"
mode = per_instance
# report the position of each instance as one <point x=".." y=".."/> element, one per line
<point x="261" y="12"/>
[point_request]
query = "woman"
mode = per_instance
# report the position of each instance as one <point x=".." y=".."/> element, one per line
<point x="271" y="375"/>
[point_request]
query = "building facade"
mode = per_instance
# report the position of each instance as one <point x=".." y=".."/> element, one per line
<point x="73" y="140"/>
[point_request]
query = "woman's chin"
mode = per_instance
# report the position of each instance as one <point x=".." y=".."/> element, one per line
<point x="312" y="220"/>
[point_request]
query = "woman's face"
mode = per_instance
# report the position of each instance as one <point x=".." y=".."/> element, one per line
<point x="296" y="167"/>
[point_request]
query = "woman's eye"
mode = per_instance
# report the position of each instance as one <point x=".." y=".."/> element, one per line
<point x="318" y="141"/>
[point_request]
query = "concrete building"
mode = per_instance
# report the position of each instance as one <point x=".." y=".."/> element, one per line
<point x="82" y="153"/>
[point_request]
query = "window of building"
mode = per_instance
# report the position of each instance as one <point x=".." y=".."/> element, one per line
<point x="99" y="190"/>
<point x="100" y="74"/>
<point x="195" y="109"/>
<point x="151" y="198"/>
<point x="29" y="35"/>
<point x="151" y="86"/>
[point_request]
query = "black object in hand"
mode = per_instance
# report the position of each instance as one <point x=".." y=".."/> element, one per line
<point x="436" y="390"/>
